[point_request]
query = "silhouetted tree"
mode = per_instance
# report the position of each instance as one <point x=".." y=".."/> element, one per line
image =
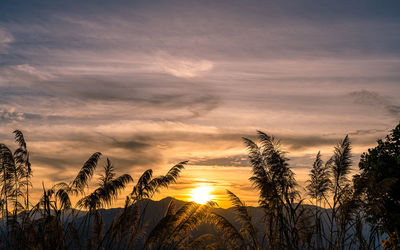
<point x="378" y="183"/>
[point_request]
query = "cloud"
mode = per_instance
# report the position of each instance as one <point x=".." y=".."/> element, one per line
<point x="11" y="116"/>
<point x="296" y="142"/>
<point x="21" y="75"/>
<point x="5" y="39"/>
<point x="182" y="67"/>
<point x="363" y="132"/>
<point x="132" y="145"/>
<point x="62" y="156"/>
<point x="229" y="161"/>
<point x="58" y="98"/>
<point x="373" y="99"/>
<point x="29" y="70"/>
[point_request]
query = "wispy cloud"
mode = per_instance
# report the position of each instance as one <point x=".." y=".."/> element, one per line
<point x="20" y="75"/>
<point x="373" y="99"/>
<point x="5" y="39"/>
<point x="182" y="67"/>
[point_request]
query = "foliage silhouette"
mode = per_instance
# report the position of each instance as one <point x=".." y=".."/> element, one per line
<point x="338" y="218"/>
<point x="378" y="184"/>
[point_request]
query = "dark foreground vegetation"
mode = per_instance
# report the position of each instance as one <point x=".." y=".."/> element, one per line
<point x="362" y="213"/>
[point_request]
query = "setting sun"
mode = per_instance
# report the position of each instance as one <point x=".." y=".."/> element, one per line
<point x="201" y="195"/>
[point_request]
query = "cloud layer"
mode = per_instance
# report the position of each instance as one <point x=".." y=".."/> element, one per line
<point x="152" y="84"/>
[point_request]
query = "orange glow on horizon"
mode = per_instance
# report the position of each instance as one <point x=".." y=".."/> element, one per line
<point x="202" y="194"/>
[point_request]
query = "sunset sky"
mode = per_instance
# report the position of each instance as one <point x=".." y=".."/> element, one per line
<point x="153" y="83"/>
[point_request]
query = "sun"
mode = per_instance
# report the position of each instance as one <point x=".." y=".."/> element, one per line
<point x="201" y="195"/>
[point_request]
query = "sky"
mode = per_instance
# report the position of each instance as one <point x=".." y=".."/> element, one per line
<point x="153" y="83"/>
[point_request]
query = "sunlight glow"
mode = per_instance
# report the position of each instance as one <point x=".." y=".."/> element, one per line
<point x="201" y="195"/>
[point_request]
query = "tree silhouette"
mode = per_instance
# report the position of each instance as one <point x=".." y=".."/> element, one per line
<point x="378" y="183"/>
